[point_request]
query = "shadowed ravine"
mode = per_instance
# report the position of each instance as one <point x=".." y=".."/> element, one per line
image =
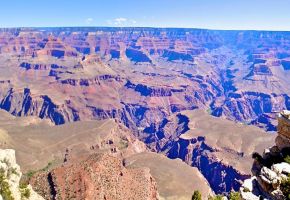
<point x="152" y="80"/>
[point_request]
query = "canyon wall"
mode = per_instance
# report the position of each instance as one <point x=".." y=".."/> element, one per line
<point x="144" y="77"/>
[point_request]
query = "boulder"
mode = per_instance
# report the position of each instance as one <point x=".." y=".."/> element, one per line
<point x="265" y="183"/>
<point x="284" y="124"/>
<point x="248" y="184"/>
<point x="249" y="196"/>
<point x="277" y="195"/>
<point x="283" y="138"/>
<point x="281" y="168"/>
<point x="282" y="142"/>
<point x="13" y="175"/>
<point x="268" y="175"/>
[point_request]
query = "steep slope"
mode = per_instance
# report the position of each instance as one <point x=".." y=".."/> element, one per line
<point x="239" y="75"/>
<point x="98" y="177"/>
<point x="143" y="78"/>
<point x="43" y="149"/>
<point x="39" y="143"/>
<point x="219" y="148"/>
<point x="175" y="180"/>
<point x="271" y="171"/>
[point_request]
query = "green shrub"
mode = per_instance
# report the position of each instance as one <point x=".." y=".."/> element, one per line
<point x="218" y="197"/>
<point x="30" y="173"/>
<point x="4" y="187"/>
<point x="48" y="166"/>
<point x="25" y="193"/>
<point x="24" y="190"/>
<point x="285" y="187"/>
<point x="23" y="185"/>
<point x="196" y="195"/>
<point x="209" y="111"/>
<point x="287" y="159"/>
<point x="235" y="196"/>
<point x="11" y="171"/>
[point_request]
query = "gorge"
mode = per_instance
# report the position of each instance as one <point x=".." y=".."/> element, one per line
<point x="207" y="97"/>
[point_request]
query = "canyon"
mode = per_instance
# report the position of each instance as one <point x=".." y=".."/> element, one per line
<point x="207" y="97"/>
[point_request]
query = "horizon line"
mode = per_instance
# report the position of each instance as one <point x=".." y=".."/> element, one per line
<point x="140" y="27"/>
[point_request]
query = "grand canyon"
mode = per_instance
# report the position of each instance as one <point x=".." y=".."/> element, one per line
<point x="165" y="110"/>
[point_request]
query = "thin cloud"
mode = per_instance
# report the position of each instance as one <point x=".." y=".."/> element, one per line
<point x="121" y="21"/>
<point x="89" y="21"/>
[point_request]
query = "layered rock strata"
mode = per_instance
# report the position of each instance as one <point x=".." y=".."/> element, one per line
<point x="271" y="169"/>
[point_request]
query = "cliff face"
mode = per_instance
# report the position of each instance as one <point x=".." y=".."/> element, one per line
<point x="10" y="176"/>
<point x="221" y="176"/>
<point x="229" y="72"/>
<point x="219" y="148"/>
<point x="42" y="148"/>
<point x="271" y="169"/>
<point x="183" y="178"/>
<point x="142" y="77"/>
<point x="98" y="177"/>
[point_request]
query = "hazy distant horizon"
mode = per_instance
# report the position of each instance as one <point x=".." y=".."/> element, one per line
<point x="128" y="27"/>
<point x="200" y="14"/>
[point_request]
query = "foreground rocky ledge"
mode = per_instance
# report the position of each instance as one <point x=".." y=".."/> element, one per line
<point x="10" y="175"/>
<point x="272" y="168"/>
<point x="100" y="176"/>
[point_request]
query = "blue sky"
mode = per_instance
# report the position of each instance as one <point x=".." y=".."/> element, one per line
<point x="213" y="14"/>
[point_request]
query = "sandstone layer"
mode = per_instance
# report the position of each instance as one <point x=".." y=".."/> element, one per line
<point x="271" y="169"/>
<point x="142" y="78"/>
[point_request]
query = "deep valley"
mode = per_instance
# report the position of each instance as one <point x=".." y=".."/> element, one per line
<point x="207" y="97"/>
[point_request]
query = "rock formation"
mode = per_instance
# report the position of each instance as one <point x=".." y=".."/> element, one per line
<point x="175" y="179"/>
<point x="283" y="138"/>
<point x="10" y="175"/>
<point x="141" y="77"/>
<point x="271" y="169"/>
<point x="101" y="176"/>
<point x="38" y="151"/>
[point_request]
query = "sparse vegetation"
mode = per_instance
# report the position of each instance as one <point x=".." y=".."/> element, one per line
<point x="285" y="187"/>
<point x="196" y="195"/>
<point x="4" y="186"/>
<point x="48" y="166"/>
<point x="246" y="190"/>
<point x="25" y="193"/>
<point x="235" y="196"/>
<point x="24" y="190"/>
<point x="124" y="144"/>
<point x="287" y="159"/>
<point x="218" y="197"/>
<point x="12" y="170"/>
<point x="209" y="111"/>
<point x="286" y="155"/>
<point x="31" y="173"/>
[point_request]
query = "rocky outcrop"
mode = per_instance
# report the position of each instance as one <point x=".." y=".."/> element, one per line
<point x="101" y="176"/>
<point x="10" y="175"/>
<point x="220" y="149"/>
<point x="283" y="138"/>
<point x="23" y="104"/>
<point x="180" y="64"/>
<point x="195" y="152"/>
<point x="143" y="76"/>
<point x="271" y="169"/>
